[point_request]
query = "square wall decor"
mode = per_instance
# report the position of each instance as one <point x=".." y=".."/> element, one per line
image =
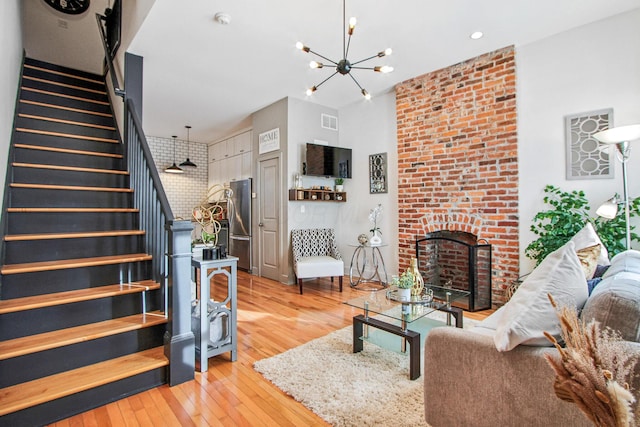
<point x="378" y="173"/>
<point x="586" y="157"/>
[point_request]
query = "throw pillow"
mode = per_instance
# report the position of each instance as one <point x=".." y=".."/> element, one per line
<point x="615" y="302"/>
<point x="588" y="237"/>
<point x="589" y="259"/>
<point x="529" y="313"/>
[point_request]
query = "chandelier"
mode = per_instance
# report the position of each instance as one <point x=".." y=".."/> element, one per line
<point x="344" y="66"/>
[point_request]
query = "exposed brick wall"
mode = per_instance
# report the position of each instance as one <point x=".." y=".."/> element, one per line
<point x="457" y="158"/>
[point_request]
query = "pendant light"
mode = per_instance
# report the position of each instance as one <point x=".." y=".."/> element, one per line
<point x="188" y="162"/>
<point x="174" y="168"/>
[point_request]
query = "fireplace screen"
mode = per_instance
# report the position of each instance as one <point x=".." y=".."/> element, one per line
<point x="458" y="260"/>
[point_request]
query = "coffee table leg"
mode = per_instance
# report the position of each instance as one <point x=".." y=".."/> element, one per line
<point x="357" y="334"/>
<point x="414" y="357"/>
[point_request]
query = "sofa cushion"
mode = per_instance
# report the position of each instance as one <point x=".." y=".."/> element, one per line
<point x="529" y="313"/>
<point x="615" y="302"/>
<point x="589" y="259"/>
<point x="588" y="237"/>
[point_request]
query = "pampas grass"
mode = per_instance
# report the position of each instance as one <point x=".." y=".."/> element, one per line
<point x="594" y="370"/>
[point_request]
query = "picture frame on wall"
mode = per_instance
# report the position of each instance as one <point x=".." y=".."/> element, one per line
<point x="586" y="158"/>
<point x="378" y="173"/>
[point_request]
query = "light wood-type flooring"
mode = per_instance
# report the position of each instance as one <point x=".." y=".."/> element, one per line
<point x="272" y="318"/>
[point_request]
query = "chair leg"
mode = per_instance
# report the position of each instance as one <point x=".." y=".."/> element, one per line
<point x="340" y="282"/>
<point x="300" y="284"/>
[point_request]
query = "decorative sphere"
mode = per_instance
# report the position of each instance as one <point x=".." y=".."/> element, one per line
<point x="363" y="239"/>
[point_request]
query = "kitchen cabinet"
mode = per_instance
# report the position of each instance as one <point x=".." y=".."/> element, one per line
<point x="231" y="159"/>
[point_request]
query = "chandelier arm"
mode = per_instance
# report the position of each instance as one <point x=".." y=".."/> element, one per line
<point x="322" y="82"/>
<point x="366" y="59"/>
<point x="362" y="68"/>
<point x="323" y="57"/>
<point x="346" y="52"/>
<point x="355" y="81"/>
<point x="344" y="28"/>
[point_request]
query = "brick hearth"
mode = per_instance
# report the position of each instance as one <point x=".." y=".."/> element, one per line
<point x="457" y="158"/>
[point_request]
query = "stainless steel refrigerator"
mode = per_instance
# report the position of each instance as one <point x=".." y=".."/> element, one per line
<point x="239" y="213"/>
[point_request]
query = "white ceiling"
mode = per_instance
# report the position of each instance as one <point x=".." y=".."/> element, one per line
<point x="212" y="76"/>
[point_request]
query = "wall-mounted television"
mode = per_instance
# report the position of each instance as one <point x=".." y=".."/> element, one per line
<point x="327" y="161"/>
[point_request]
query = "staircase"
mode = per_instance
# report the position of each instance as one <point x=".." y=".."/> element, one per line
<point x="81" y="324"/>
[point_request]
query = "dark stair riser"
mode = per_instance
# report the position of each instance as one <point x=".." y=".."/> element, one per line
<point x="19" y="252"/>
<point x="64" y="101"/>
<point x="62" y="114"/>
<point x="54" y="88"/>
<point x="29" y="197"/>
<point x="28" y="155"/>
<point x="64" y="128"/>
<point x="30" y="223"/>
<point x="64" y="177"/>
<point x="46" y="282"/>
<point x="63" y="69"/>
<point x="65" y="78"/>
<point x="99" y="396"/>
<point x="20" y="324"/>
<point x="78" y="355"/>
<point x="66" y="143"/>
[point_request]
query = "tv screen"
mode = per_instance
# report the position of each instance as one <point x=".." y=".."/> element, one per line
<point x="323" y="160"/>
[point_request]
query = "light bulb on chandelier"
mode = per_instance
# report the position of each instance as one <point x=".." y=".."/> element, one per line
<point x="344" y="66"/>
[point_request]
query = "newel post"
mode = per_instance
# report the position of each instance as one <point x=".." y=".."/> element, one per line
<point x="179" y="341"/>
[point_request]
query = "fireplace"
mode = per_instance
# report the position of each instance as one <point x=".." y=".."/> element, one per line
<point x="458" y="260"/>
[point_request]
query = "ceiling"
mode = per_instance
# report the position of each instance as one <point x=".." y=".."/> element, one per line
<point x="213" y="76"/>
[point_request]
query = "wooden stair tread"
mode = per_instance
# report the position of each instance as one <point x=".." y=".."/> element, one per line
<point x="68" y="135"/>
<point x="62" y="107"/>
<point x="74" y="235"/>
<point x="62" y="73"/>
<point x="68" y="151"/>
<point x="69" y="168"/>
<point x="32" y="393"/>
<point x="68" y="297"/>
<point x="70" y="187"/>
<point x="72" y="210"/>
<point x="70" y="86"/>
<point x="31" y="267"/>
<point x="67" y="122"/>
<point x="62" y="337"/>
<point x="62" y="95"/>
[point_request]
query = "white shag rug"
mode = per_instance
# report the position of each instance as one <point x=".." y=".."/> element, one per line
<point x="370" y="388"/>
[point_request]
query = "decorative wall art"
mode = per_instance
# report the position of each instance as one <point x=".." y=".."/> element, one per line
<point x="378" y="173"/>
<point x="586" y="157"/>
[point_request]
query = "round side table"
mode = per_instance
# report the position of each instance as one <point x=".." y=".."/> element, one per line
<point x="372" y="279"/>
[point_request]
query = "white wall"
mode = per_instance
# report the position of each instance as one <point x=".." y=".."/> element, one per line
<point x="590" y="68"/>
<point x="11" y="42"/>
<point x="369" y="127"/>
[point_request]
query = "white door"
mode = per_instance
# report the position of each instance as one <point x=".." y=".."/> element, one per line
<point x="269" y="215"/>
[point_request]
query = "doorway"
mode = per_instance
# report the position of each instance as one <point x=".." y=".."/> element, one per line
<point x="268" y="218"/>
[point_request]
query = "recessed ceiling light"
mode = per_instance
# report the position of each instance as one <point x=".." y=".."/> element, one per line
<point x="223" y="18"/>
<point x="476" y="35"/>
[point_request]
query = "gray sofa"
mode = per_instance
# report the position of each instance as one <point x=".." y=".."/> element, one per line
<point x="467" y="382"/>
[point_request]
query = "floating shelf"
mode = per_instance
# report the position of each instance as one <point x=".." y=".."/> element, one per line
<point x="317" y="195"/>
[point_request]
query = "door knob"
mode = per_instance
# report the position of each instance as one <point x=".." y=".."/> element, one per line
<point x="260" y="224"/>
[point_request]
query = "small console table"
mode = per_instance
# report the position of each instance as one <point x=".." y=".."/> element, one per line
<point x="370" y="273"/>
<point x="229" y="342"/>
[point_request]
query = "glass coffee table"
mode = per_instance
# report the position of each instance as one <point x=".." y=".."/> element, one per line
<point x="387" y="304"/>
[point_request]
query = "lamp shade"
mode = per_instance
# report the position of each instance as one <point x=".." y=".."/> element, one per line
<point x="618" y="134"/>
<point x="608" y="209"/>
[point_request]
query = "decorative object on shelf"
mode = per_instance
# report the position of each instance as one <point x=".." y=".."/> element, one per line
<point x="418" y="281"/>
<point x="188" y="162"/>
<point x="174" y="168"/>
<point x="344" y="66"/>
<point x="404" y="283"/>
<point x="207" y="213"/>
<point x="621" y="137"/>
<point x="339" y="184"/>
<point x="585" y="158"/>
<point x="298" y="183"/>
<point x="378" y="173"/>
<point x="363" y="239"/>
<point x="374" y="215"/>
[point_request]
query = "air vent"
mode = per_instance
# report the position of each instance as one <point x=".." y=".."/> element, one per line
<point x="329" y="122"/>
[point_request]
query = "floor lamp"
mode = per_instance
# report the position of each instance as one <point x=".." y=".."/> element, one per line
<point x="620" y="136"/>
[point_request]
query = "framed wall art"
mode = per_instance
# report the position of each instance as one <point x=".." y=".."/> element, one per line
<point x="586" y="157"/>
<point x="378" y="173"/>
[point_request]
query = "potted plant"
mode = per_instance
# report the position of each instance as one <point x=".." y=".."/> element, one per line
<point x="404" y="283"/>
<point x="339" y="184"/>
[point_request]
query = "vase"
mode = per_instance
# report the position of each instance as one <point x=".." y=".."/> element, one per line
<point x="404" y="294"/>
<point x="375" y="240"/>
<point x="418" y="281"/>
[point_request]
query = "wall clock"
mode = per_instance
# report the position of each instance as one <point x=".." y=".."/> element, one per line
<point x="72" y="7"/>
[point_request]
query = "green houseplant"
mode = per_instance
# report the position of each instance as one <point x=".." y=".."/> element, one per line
<point x="339" y="184"/>
<point x="567" y="215"/>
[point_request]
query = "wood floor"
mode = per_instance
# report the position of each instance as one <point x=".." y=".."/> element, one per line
<point x="272" y="318"/>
